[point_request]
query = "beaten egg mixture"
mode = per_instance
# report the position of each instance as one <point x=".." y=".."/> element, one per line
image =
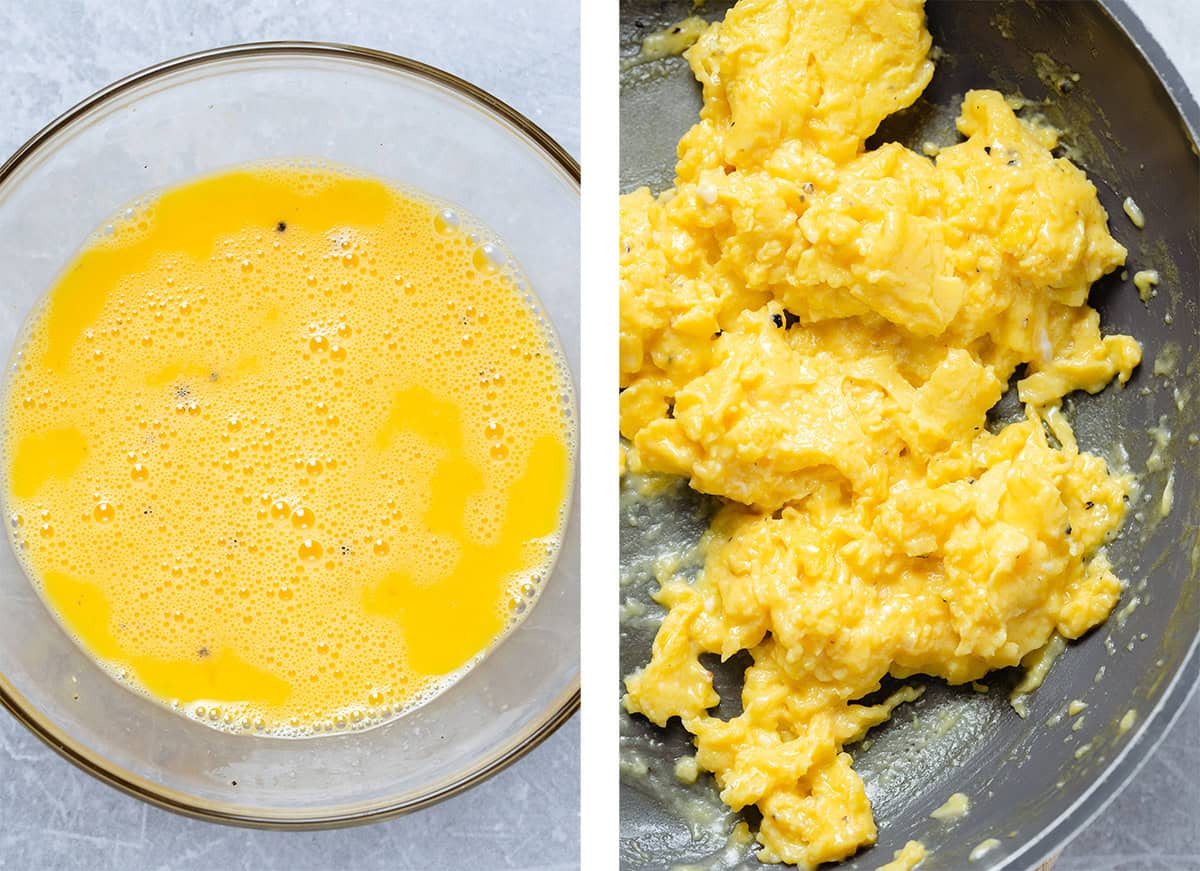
<point x="816" y="332"/>
<point x="288" y="448"/>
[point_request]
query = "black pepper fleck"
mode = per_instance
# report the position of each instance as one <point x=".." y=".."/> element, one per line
<point x="281" y="226"/>
<point x="1089" y="505"/>
<point x="777" y="320"/>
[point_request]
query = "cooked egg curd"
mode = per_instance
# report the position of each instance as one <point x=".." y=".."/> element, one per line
<point x="816" y="333"/>
<point x="288" y="448"/>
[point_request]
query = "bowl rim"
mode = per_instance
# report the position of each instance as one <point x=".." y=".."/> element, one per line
<point x="54" y="737"/>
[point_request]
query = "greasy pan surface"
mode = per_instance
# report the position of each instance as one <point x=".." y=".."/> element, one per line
<point x="1133" y="130"/>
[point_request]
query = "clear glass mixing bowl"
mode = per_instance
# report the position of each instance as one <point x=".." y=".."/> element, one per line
<point x="390" y="117"/>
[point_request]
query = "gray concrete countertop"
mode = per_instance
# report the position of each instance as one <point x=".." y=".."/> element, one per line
<point x="54" y="53"/>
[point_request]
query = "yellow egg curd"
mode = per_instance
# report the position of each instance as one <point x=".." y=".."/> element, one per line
<point x="288" y="448"/>
<point x="816" y="333"/>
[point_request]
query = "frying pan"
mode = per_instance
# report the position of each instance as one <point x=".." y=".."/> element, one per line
<point x="1093" y="71"/>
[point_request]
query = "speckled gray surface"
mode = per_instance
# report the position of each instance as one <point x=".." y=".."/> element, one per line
<point x="56" y="52"/>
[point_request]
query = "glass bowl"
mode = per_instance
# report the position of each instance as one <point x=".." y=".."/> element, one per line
<point x="393" y="118"/>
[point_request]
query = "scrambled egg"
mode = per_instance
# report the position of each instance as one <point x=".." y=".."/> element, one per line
<point x="816" y="333"/>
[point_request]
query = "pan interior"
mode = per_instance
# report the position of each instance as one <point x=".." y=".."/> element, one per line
<point x="1022" y="776"/>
